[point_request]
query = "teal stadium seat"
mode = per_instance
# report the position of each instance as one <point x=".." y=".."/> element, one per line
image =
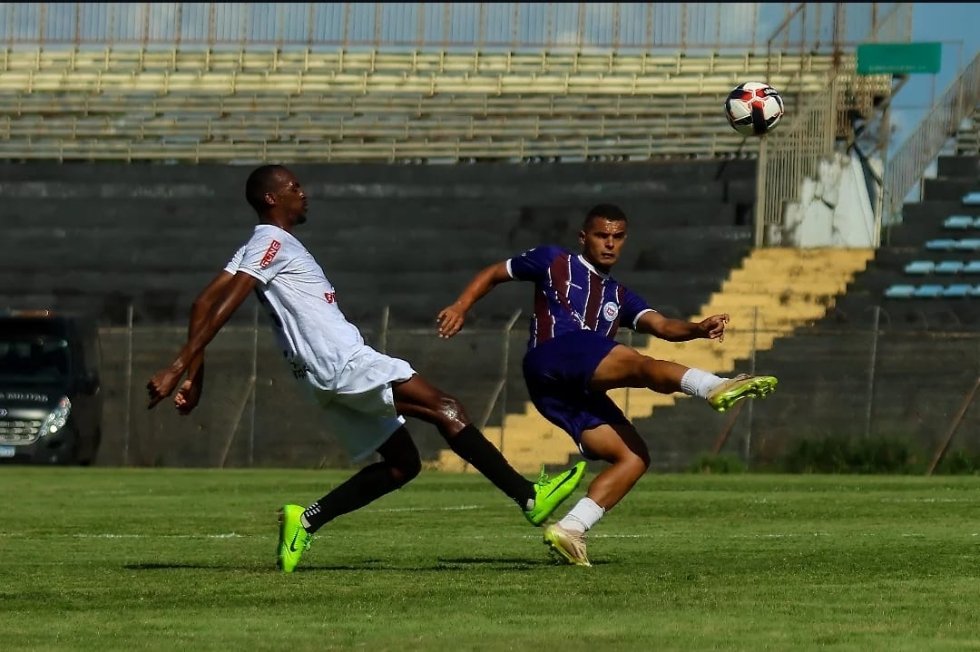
<point x="949" y="267"/>
<point x="957" y="291"/>
<point x="967" y="244"/>
<point x="976" y="291"/>
<point x="941" y="244"/>
<point x="928" y="292"/>
<point x="920" y="267"/>
<point x="972" y="267"/>
<point x="959" y="222"/>
<point x="900" y="292"/>
<point x="972" y="198"/>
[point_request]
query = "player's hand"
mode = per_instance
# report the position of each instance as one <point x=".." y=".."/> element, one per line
<point x="187" y="396"/>
<point x="162" y="385"/>
<point x="450" y="321"/>
<point x="713" y="327"/>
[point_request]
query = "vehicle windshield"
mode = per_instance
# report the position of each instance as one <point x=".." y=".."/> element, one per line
<point x="33" y="359"/>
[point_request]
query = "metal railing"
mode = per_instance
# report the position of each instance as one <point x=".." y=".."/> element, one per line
<point x="253" y="413"/>
<point x="793" y="152"/>
<point x="789" y="155"/>
<point x="906" y="167"/>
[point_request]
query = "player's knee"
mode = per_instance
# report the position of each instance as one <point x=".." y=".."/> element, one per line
<point x="644" y="459"/>
<point x="405" y="469"/>
<point x="648" y="368"/>
<point x="635" y="463"/>
<point x="451" y="413"/>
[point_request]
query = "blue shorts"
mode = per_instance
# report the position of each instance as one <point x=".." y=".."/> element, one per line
<point x="558" y="372"/>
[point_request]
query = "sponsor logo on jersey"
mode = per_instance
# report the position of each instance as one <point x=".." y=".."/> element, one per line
<point x="331" y="297"/>
<point x="610" y="311"/>
<point x="270" y="254"/>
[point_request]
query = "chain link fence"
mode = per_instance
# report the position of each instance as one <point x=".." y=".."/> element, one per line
<point x="876" y="379"/>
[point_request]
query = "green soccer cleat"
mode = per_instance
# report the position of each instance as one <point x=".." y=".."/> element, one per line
<point x="549" y="493"/>
<point x="569" y="546"/>
<point x="293" y="538"/>
<point x="741" y="386"/>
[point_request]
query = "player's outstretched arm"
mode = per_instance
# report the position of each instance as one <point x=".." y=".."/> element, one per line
<point x="189" y="393"/>
<point x="679" y="330"/>
<point x="227" y="300"/>
<point x="451" y="318"/>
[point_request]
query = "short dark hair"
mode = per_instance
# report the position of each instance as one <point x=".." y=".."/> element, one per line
<point x="261" y="182"/>
<point x="609" y="212"/>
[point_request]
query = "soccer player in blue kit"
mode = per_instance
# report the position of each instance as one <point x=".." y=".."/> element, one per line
<point x="573" y="360"/>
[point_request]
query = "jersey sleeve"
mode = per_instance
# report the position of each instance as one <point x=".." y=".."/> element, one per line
<point x="632" y="308"/>
<point x="235" y="262"/>
<point x="263" y="257"/>
<point x="533" y="264"/>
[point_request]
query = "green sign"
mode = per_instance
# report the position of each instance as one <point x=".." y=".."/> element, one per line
<point x="899" y="58"/>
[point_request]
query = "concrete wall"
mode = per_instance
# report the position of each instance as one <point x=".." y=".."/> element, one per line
<point x="101" y="237"/>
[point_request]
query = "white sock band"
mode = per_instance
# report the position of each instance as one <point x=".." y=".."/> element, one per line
<point x="699" y="383"/>
<point x="583" y="516"/>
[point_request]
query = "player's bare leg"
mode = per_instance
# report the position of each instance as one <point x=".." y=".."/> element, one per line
<point x="629" y="459"/>
<point x="625" y="367"/>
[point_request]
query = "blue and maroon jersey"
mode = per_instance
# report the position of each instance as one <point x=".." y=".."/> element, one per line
<point x="571" y="295"/>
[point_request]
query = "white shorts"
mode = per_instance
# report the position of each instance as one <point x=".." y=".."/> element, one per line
<point x="361" y="413"/>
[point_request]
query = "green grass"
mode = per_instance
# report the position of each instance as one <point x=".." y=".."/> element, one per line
<point x="104" y="559"/>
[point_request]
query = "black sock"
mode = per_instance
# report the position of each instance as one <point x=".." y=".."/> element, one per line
<point x="367" y="485"/>
<point x="472" y="446"/>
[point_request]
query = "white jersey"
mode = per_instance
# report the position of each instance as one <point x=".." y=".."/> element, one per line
<point x="316" y="338"/>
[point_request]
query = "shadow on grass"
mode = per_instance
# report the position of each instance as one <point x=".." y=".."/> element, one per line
<point x="440" y="565"/>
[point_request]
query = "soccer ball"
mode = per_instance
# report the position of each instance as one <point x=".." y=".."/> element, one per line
<point x="754" y="108"/>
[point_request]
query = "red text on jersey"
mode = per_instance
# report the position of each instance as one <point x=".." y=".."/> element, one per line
<point x="270" y="254"/>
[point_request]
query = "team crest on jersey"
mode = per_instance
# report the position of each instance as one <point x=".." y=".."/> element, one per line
<point x="610" y="311"/>
<point x="270" y="254"/>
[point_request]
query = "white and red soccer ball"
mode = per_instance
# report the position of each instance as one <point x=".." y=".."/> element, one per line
<point x="754" y="108"/>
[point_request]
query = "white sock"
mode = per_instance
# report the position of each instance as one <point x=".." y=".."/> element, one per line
<point x="699" y="383"/>
<point x="583" y="516"/>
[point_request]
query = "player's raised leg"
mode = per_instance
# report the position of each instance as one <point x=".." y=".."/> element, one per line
<point x="625" y="367"/>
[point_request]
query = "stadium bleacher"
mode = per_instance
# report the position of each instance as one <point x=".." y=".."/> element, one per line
<point x="207" y="105"/>
<point x="952" y="255"/>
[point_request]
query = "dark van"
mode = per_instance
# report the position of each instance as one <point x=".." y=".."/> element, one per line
<point x="50" y="390"/>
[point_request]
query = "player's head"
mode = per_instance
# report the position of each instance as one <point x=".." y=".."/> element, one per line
<point x="276" y="195"/>
<point x="602" y="236"/>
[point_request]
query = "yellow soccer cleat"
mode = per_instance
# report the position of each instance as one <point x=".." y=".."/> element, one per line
<point x="569" y="545"/>
<point x="741" y="386"/>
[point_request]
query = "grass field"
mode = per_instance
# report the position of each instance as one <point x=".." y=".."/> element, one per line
<point x="104" y="559"/>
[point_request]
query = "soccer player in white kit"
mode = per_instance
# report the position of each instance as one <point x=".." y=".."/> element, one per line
<point x="364" y="395"/>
